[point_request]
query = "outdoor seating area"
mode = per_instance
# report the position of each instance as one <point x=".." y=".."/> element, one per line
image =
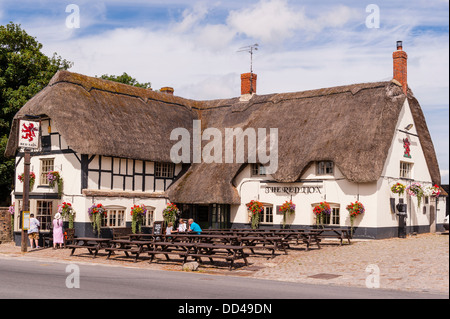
<point x="229" y="245"/>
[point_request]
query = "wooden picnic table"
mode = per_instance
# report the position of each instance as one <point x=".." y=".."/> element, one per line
<point x="197" y="250"/>
<point x="92" y="244"/>
<point x="338" y="233"/>
<point x="135" y="247"/>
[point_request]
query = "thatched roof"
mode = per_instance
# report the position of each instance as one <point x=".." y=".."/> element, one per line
<point x="353" y="126"/>
<point x="102" y="117"/>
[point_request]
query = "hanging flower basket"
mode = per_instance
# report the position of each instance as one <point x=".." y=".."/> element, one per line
<point x="320" y="211"/>
<point x="415" y="189"/>
<point x="170" y="213"/>
<point x="137" y="217"/>
<point x="53" y="178"/>
<point x="431" y="191"/>
<point x="288" y="208"/>
<point x="66" y="210"/>
<point x="355" y="209"/>
<point x="32" y="179"/>
<point x="96" y="212"/>
<point x="255" y="209"/>
<point x="398" y="188"/>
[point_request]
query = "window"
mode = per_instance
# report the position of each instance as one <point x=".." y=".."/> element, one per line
<point x="325" y="168"/>
<point x="267" y="215"/>
<point x="47" y="165"/>
<point x="115" y="217"/>
<point x="333" y="218"/>
<point x="258" y="170"/>
<point x="164" y="170"/>
<point x="405" y="170"/>
<point x="44" y="213"/>
<point x="149" y="216"/>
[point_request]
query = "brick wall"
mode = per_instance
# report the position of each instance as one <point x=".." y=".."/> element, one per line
<point x="5" y="225"/>
<point x="400" y="68"/>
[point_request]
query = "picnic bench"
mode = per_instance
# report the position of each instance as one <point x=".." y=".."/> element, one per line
<point x="121" y="233"/>
<point x="197" y="250"/>
<point x="135" y="247"/>
<point x="337" y="233"/>
<point x="92" y="244"/>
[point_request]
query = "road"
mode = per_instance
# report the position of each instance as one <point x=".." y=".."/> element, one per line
<point x="29" y="278"/>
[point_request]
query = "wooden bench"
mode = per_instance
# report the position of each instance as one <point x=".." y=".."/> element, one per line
<point x="339" y="234"/>
<point x="121" y="233"/>
<point x="128" y="247"/>
<point x="230" y="253"/>
<point x="92" y="244"/>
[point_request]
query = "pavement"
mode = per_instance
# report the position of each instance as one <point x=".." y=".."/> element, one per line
<point x="417" y="263"/>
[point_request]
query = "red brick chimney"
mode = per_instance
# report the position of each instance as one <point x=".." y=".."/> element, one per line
<point x="400" y="66"/>
<point x="167" y="90"/>
<point x="248" y="83"/>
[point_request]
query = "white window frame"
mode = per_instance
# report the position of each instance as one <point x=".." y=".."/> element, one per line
<point x="258" y="169"/>
<point x="406" y="170"/>
<point x="150" y="216"/>
<point x="335" y="216"/>
<point x="47" y="165"/>
<point x="325" y="168"/>
<point x="267" y="215"/>
<point x="46" y="211"/>
<point x="164" y="170"/>
<point x="115" y="217"/>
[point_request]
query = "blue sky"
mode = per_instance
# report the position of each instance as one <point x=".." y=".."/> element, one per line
<point x="192" y="45"/>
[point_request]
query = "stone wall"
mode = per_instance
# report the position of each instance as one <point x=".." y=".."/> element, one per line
<point x="5" y="225"/>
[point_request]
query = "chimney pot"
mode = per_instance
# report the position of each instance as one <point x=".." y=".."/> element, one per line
<point x="400" y="66"/>
<point x="167" y="90"/>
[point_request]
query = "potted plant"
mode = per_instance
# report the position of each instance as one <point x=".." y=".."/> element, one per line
<point x="355" y="209"/>
<point x="255" y="208"/>
<point x="66" y="210"/>
<point x="53" y="178"/>
<point x="288" y="208"/>
<point x="170" y="213"/>
<point x="320" y="211"/>
<point x="96" y="212"/>
<point x="415" y="189"/>
<point x="398" y="188"/>
<point x="137" y="217"/>
<point x="32" y="179"/>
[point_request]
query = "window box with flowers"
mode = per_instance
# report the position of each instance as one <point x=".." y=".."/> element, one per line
<point x="96" y="213"/>
<point x="255" y="209"/>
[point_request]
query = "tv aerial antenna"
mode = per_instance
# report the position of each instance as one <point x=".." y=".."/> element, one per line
<point x="250" y="49"/>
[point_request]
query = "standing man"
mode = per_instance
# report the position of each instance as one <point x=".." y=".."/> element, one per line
<point x="194" y="227"/>
<point x="33" y="231"/>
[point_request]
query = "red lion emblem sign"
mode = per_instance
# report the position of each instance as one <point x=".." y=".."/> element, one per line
<point x="29" y="134"/>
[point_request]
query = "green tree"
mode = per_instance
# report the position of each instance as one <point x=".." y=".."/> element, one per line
<point x="126" y="79"/>
<point x="24" y="71"/>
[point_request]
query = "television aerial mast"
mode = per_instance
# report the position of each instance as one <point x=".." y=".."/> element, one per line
<point x="250" y="50"/>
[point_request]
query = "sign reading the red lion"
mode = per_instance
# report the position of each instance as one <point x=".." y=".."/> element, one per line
<point x="29" y="134"/>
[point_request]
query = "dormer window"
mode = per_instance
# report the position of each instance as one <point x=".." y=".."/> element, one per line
<point x="325" y="168"/>
<point x="258" y="170"/>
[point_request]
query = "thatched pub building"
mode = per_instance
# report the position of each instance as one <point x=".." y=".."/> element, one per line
<point x="111" y="144"/>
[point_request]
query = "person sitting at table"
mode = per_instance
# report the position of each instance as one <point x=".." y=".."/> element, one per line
<point x="169" y="229"/>
<point x="194" y="227"/>
<point x="182" y="226"/>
